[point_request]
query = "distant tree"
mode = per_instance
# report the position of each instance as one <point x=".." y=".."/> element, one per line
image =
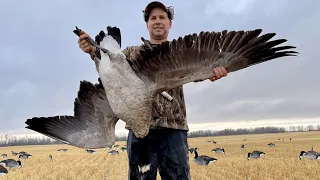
<point x="300" y="128"/>
<point x="292" y="128"/>
<point x="318" y="127"/>
<point x="310" y="128"/>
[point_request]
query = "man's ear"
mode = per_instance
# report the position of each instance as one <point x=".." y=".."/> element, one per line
<point x="170" y="24"/>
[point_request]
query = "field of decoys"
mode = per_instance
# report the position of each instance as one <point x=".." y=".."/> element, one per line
<point x="292" y="155"/>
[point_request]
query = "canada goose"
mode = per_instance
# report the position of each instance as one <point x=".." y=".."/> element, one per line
<point x="123" y="149"/>
<point x="113" y="152"/>
<point x="64" y="150"/>
<point x="309" y="155"/>
<point x="115" y="146"/>
<point x="312" y="155"/>
<point x="255" y="154"/>
<point x="271" y="144"/>
<point x="14" y="153"/>
<point x="187" y="59"/>
<point x="50" y="157"/>
<point x="3" y="171"/>
<point x="24" y="156"/>
<point x="90" y="151"/>
<point x="22" y="152"/>
<point x="242" y="147"/>
<point x="203" y="159"/>
<point x="218" y="150"/>
<point x="4" y="155"/>
<point x="11" y="163"/>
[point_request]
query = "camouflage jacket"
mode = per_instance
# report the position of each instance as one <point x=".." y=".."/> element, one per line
<point x="166" y="114"/>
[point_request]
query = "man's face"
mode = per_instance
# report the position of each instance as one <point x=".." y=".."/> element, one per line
<point x="158" y="24"/>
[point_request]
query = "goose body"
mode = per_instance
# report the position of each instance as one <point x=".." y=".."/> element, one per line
<point x="24" y="156"/>
<point x="113" y="152"/>
<point x="255" y="154"/>
<point x="14" y="153"/>
<point x="127" y="87"/>
<point x="312" y="155"/>
<point x="3" y="171"/>
<point x="11" y="163"/>
<point x="90" y="151"/>
<point x="271" y="144"/>
<point x="4" y="155"/>
<point x="218" y="150"/>
<point x="202" y="160"/>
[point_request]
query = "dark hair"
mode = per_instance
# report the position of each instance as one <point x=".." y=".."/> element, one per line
<point x="156" y="4"/>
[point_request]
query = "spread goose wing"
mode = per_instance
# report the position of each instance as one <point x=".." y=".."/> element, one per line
<point x="93" y="123"/>
<point x="191" y="58"/>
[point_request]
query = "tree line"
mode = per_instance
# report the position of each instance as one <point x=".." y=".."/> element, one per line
<point x="11" y="140"/>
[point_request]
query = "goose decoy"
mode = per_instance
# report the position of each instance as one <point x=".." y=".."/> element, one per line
<point x="255" y="154"/>
<point x="113" y="152"/>
<point x="218" y="150"/>
<point x="123" y="149"/>
<point x="203" y="159"/>
<point x="50" y="157"/>
<point x="3" y="171"/>
<point x="14" y="153"/>
<point x="22" y="152"/>
<point x="312" y="155"/>
<point x="64" y="150"/>
<point x="11" y="163"/>
<point x="4" y="155"/>
<point x="271" y="144"/>
<point x="242" y="147"/>
<point x="24" y="156"/>
<point x="151" y="71"/>
<point x="90" y="151"/>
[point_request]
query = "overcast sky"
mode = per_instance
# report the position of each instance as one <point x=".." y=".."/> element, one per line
<point x="42" y="65"/>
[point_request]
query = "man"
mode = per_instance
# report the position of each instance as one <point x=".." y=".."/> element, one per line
<point x="166" y="146"/>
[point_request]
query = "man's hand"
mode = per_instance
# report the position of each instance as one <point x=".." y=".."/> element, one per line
<point x="219" y="73"/>
<point x="84" y="44"/>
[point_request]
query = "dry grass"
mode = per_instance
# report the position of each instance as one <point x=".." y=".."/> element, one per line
<point x="280" y="162"/>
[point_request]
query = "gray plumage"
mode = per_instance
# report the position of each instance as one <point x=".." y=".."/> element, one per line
<point x="271" y="144"/>
<point x="22" y="152"/>
<point x="90" y="151"/>
<point x="11" y="163"/>
<point x="64" y="150"/>
<point x="202" y="160"/>
<point x="312" y="155"/>
<point x="24" y="156"/>
<point x="113" y="152"/>
<point x="50" y="157"/>
<point x="255" y="154"/>
<point x="131" y="85"/>
<point x="4" y="155"/>
<point x="14" y="153"/>
<point x="218" y="150"/>
<point x="123" y="149"/>
<point x="3" y="171"/>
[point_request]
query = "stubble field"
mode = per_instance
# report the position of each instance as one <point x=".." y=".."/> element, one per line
<point x="280" y="162"/>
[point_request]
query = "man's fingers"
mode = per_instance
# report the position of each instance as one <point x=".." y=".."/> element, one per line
<point x="82" y="37"/>
<point x="216" y="73"/>
<point x="88" y="49"/>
